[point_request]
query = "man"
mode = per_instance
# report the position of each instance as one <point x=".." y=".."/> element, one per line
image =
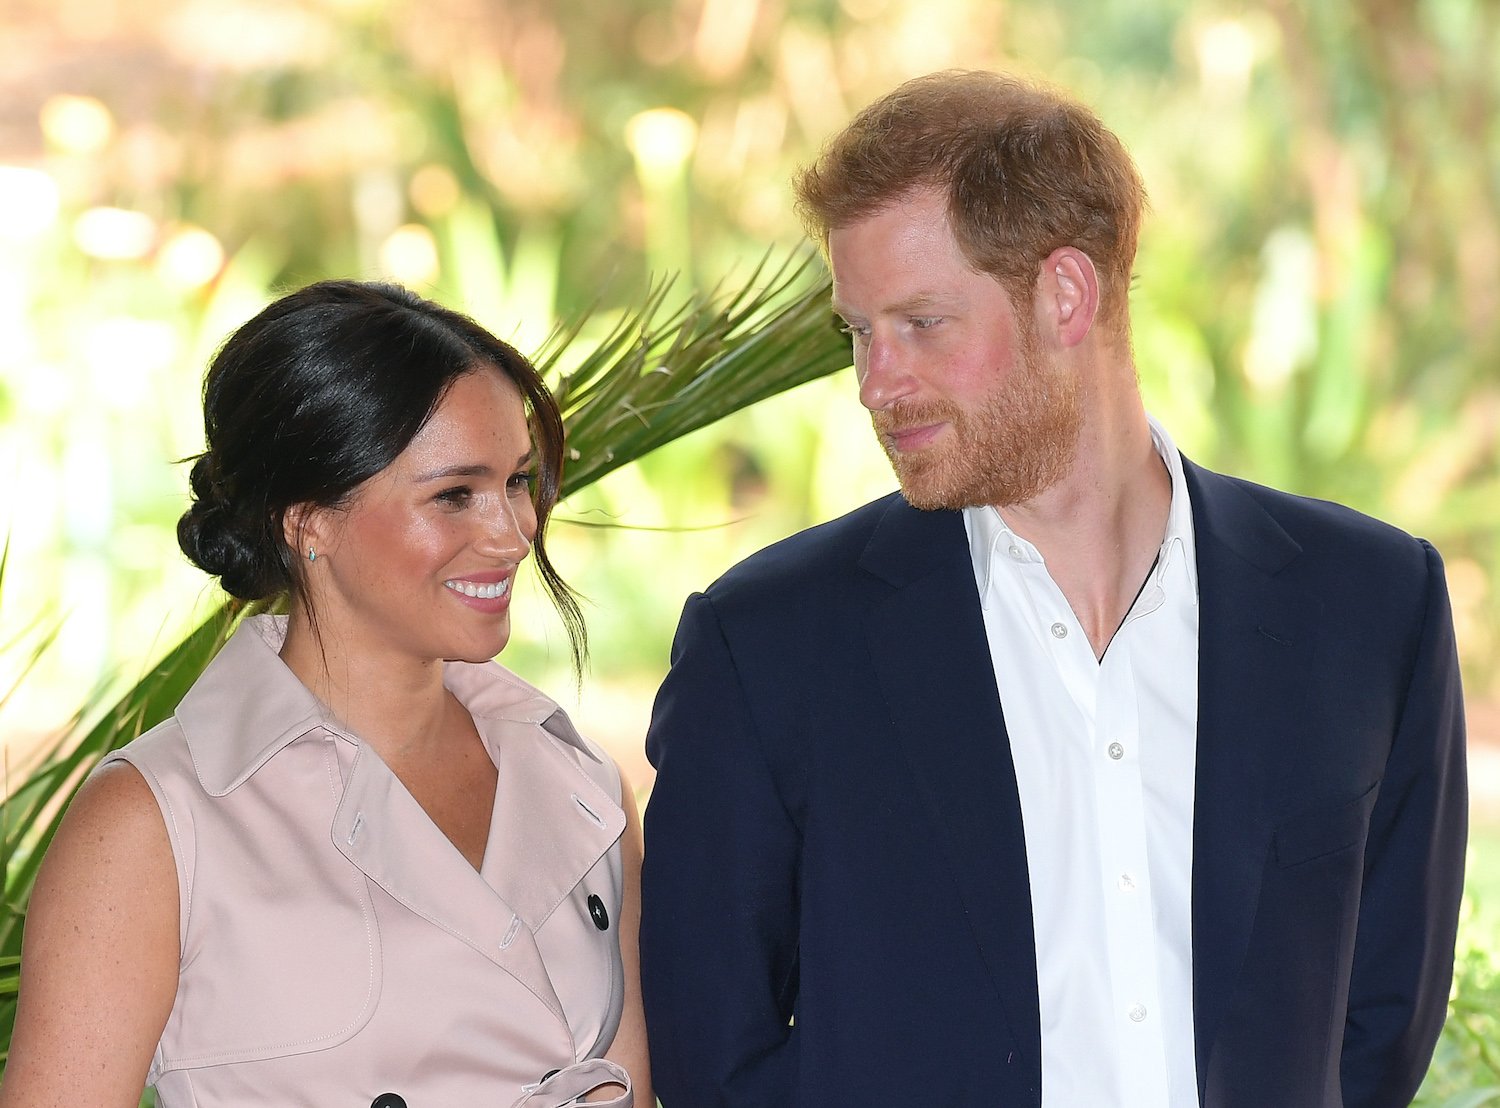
<point x="1076" y="774"/>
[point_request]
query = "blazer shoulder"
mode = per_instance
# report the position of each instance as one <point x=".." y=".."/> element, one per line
<point x="810" y="560"/>
<point x="1323" y="530"/>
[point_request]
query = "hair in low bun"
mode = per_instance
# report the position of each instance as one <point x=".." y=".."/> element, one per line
<point x="318" y="393"/>
<point x="229" y="542"/>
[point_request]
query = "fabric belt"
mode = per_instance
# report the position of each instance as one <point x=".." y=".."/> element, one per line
<point x="564" y="1088"/>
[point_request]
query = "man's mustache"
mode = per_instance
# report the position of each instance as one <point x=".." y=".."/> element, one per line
<point x="907" y="414"/>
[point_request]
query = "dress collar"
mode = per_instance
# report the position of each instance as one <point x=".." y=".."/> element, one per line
<point x="247" y="705"/>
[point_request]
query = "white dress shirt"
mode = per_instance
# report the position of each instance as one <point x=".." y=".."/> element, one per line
<point x="1104" y="752"/>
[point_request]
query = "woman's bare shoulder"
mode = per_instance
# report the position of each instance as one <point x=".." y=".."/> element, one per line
<point x="100" y="953"/>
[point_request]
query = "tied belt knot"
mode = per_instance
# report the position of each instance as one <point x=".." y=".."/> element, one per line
<point x="563" y="1088"/>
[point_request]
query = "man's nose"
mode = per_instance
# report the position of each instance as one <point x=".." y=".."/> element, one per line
<point x="884" y="373"/>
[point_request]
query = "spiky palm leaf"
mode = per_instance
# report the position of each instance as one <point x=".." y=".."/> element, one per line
<point x="662" y="370"/>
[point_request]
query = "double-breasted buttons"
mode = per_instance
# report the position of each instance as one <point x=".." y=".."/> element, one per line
<point x="388" y="1100"/>
<point x="596" y="910"/>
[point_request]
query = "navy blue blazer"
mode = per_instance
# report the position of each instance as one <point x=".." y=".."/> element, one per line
<point x="836" y="905"/>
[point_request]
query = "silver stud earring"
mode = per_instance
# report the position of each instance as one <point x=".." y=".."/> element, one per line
<point x="312" y="554"/>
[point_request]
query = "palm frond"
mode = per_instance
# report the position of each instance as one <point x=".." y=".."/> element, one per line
<point x="661" y="371"/>
<point x="664" y="371"/>
<point x="31" y="811"/>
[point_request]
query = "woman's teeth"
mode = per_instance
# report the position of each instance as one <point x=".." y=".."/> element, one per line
<point x="481" y="592"/>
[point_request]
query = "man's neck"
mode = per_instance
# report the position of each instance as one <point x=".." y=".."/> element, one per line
<point x="1101" y="526"/>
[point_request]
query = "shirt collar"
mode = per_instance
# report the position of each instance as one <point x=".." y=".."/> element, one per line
<point x="991" y="539"/>
<point x="1178" y="543"/>
<point x="247" y="705"/>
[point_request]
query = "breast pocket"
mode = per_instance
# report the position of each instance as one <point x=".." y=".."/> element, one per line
<point x="1317" y="834"/>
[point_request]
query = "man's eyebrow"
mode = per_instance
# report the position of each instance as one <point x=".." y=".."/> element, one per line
<point x="911" y="303"/>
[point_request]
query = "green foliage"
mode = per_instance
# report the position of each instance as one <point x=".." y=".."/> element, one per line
<point x="1465" y="1070"/>
<point x="31" y="812"/>
<point x="662" y="373"/>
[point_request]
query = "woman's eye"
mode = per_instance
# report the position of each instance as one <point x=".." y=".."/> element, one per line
<point x="456" y="497"/>
<point x="521" y="482"/>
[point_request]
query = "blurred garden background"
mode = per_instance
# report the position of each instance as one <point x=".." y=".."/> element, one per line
<point x="1317" y="300"/>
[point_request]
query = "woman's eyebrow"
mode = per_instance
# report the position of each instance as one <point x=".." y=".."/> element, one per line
<point x="470" y="470"/>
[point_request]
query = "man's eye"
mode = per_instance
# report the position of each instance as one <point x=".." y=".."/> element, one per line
<point x="923" y="322"/>
<point x="854" y="330"/>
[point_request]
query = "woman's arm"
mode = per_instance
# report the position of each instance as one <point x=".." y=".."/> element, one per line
<point x="100" y="953"/>
<point x="629" y="1046"/>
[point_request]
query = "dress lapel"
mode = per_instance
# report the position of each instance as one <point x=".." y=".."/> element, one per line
<point x="550" y="825"/>
<point x="385" y="833"/>
<point x="552" y="822"/>
<point x="1255" y="644"/>
<point x="926" y="637"/>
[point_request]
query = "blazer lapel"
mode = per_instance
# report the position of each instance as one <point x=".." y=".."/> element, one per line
<point x="927" y="640"/>
<point x="1256" y="635"/>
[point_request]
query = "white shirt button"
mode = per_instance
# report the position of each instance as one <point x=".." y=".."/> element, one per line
<point x="1137" y="1013"/>
<point x="1014" y="551"/>
<point x="1116" y="751"/>
<point x="1059" y="631"/>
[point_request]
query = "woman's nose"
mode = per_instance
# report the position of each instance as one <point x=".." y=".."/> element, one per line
<point x="508" y="529"/>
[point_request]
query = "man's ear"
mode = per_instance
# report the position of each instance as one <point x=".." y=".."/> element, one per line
<point x="1068" y="294"/>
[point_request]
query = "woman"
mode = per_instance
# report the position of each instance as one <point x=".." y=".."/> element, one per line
<point x="363" y="864"/>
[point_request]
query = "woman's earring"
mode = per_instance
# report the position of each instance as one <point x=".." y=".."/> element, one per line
<point x="312" y="554"/>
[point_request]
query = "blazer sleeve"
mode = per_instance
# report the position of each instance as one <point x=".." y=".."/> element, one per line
<point x="719" y="888"/>
<point x="1413" y="881"/>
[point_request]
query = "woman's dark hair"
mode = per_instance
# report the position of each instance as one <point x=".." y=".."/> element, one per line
<point x="320" y="392"/>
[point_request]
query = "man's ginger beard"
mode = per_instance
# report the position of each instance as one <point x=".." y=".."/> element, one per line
<point x="1017" y="444"/>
